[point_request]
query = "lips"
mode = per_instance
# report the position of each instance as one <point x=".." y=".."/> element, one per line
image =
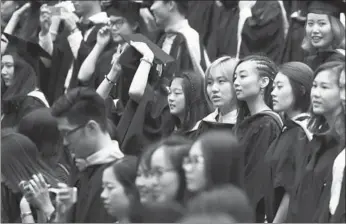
<point x="316" y="38"/>
<point x="316" y="103"/>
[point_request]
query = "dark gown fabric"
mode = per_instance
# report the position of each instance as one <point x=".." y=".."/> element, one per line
<point x="18" y="108"/>
<point x="256" y="134"/>
<point x="10" y="211"/>
<point x="283" y="161"/>
<point x="149" y="120"/>
<point x="62" y="60"/>
<point x="296" y="32"/>
<point x="89" y="207"/>
<point x="319" y="157"/>
<point x="320" y="58"/>
<point x="205" y="17"/>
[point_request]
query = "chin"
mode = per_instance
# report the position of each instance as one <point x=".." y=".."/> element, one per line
<point x="318" y="111"/>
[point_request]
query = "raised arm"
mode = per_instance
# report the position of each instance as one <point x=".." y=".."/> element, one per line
<point x="88" y="66"/>
<point x="12" y="24"/>
<point x="140" y="78"/>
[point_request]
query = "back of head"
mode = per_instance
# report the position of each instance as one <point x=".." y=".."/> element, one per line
<point x="81" y="105"/>
<point x="228" y="200"/>
<point x="41" y="127"/>
<point x="223" y="159"/>
<point x="20" y="160"/>
<point x="163" y="212"/>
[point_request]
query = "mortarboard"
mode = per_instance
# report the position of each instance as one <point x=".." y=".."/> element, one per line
<point x="328" y="7"/>
<point x="161" y="57"/>
<point x="25" y="48"/>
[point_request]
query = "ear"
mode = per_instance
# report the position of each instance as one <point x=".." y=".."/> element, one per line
<point x="264" y="82"/>
<point x="92" y="126"/>
<point x="135" y="26"/>
<point x="302" y="90"/>
<point x="171" y="5"/>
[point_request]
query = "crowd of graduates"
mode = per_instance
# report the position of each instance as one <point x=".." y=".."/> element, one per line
<point x="125" y="111"/>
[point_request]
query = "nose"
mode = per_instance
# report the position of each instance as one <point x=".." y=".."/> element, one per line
<point x="315" y="29"/>
<point x="236" y="83"/>
<point x="315" y="93"/>
<point x="103" y="194"/>
<point x="170" y="98"/>
<point x="273" y="93"/>
<point x="214" y="88"/>
<point x="187" y="167"/>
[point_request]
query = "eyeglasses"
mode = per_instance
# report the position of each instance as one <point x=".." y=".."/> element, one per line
<point x="66" y="134"/>
<point x="117" y="23"/>
<point x="193" y="160"/>
<point x="157" y="173"/>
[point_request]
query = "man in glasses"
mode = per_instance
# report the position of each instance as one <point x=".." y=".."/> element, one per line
<point x="82" y="121"/>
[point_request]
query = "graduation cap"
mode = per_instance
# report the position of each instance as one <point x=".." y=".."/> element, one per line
<point x="25" y="48"/>
<point x="330" y="7"/>
<point x="128" y="9"/>
<point x="160" y="57"/>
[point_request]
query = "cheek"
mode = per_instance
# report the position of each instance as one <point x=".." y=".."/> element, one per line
<point x="227" y="91"/>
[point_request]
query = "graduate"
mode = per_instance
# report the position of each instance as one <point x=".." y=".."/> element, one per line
<point x="19" y="93"/>
<point x="82" y="121"/>
<point x="183" y="44"/>
<point x="324" y="34"/>
<point x="124" y="20"/>
<point x="219" y="91"/>
<point x="326" y="124"/>
<point x="76" y="37"/>
<point x="257" y="125"/>
<point x="291" y="96"/>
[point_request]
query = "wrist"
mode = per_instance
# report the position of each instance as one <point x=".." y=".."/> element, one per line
<point x="149" y="57"/>
<point x="74" y="30"/>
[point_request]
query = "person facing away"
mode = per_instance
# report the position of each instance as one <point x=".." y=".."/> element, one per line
<point x="82" y="121"/>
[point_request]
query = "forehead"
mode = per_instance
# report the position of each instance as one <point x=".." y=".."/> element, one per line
<point x="7" y="58"/>
<point x="108" y="175"/>
<point x="315" y="16"/>
<point x="326" y="76"/>
<point x="63" y="123"/>
<point x="280" y="77"/>
<point x="177" y="83"/>
<point x="159" y="158"/>
<point x="216" y="72"/>
<point x="248" y="66"/>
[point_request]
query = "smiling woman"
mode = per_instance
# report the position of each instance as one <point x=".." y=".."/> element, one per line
<point x="324" y="34"/>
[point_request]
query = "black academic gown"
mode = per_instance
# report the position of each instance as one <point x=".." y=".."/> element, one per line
<point x="62" y="60"/>
<point x="283" y="161"/>
<point x="319" y="157"/>
<point x="314" y="61"/>
<point x="89" y="207"/>
<point x="149" y="120"/>
<point x="18" y="108"/>
<point x="256" y="134"/>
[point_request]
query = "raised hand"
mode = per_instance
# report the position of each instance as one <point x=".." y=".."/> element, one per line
<point x="22" y="10"/>
<point x="70" y="20"/>
<point x="144" y="49"/>
<point x="45" y="19"/>
<point x="38" y="194"/>
<point x="103" y="36"/>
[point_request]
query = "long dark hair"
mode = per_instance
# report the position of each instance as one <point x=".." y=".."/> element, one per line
<point x="24" y="80"/>
<point x="196" y="106"/>
<point x="266" y="68"/>
<point x="20" y="160"/>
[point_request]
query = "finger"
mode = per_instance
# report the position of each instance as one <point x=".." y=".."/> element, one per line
<point x="42" y="180"/>
<point x="34" y="187"/>
<point x="62" y="185"/>
<point x="37" y="181"/>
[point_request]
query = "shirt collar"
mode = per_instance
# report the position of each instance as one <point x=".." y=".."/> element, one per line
<point x="229" y="118"/>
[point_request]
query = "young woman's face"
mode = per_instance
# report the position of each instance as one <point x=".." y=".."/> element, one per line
<point x="325" y="93"/>
<point x="342" y="89"/>
<point x="283" y="97"/>
<point x="161" y="12"/>
<point x="113" y="195"/>
<point x="145" y="184"/>
<point x="194" y="167"/>
<point x="176" y="97"/>
<point x="247" y="81"/>
<point x="220" y="90"/>
<point x="319" y="30"/>
<point x="119" y="26"/>
<point x="167" y="178"/>
<point x="7" y="69"/>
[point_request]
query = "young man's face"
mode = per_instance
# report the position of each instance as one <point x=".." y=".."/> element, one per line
<point x="161" y="12"/>
<point x="75" y="138"/>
